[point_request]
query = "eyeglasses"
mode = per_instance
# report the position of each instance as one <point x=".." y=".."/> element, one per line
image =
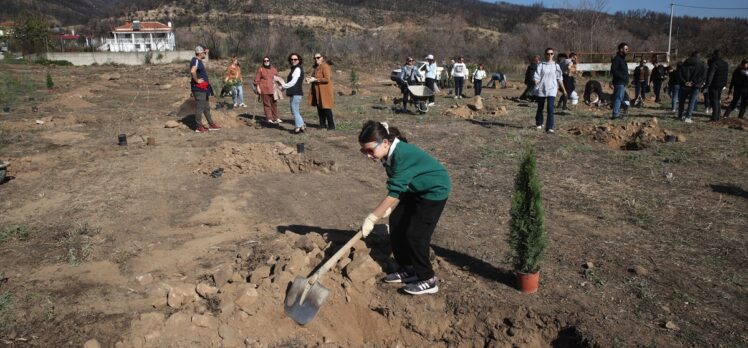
<point x="266" y="60"/>
<point x="549" y="53"/>
<point x="318" y="57"/>
<point x="370" y="151"/>
<point x="295" y="59"/>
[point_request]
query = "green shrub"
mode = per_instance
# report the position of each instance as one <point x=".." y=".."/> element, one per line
<point x="354" y="80"/>
<point x="527" y="234"/>
<point x="50" y="83"/>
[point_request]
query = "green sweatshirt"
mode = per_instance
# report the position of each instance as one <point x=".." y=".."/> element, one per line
<point x="411" y="169"/>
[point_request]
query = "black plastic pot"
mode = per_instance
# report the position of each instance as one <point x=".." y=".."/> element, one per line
<point x="122" y="139"/>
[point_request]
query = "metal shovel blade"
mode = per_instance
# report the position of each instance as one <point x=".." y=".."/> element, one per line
<point x="303" y="301"/>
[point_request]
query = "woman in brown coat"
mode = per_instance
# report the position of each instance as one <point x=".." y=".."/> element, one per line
<point x="264" y="84"/>
<point x="321" y="95"/>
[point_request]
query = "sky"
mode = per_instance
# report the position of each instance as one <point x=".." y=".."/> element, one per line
<point x="660" y="6"/>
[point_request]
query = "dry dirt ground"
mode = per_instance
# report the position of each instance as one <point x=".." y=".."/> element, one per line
<point x="139" y="245"/>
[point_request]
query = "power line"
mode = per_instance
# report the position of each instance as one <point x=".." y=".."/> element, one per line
<point x="712" y="8"/>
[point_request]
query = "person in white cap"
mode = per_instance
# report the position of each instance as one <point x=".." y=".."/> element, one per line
<point x="431" y="76"/>
<point x="201" y="91"/>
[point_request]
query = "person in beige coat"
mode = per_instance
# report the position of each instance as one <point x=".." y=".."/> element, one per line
<point x="321" y="94"/>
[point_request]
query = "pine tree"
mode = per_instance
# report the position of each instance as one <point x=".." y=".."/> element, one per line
<point x="354" y="80"/>
<point x="527" y="234"/>
<point x="50" y="83"/>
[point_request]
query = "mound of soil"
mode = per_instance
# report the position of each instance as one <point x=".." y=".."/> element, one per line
<point x="237" y="158"/>
<point x="630" y="136"/>
<point x="734" y="123"/>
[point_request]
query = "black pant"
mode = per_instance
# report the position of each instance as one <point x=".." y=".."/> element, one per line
<point x="657" y="85"/>
<point x="527" y="94"/>
<point x="715" y="96"/>
<point x="412" y="224"/>
<point x="459" y="82"/>
<point x="739" y="94"/>
<point x="430" y="83"/>
<point x="478" y="85"/>
<point x="707" y="100"/>
<point x="325" y="118"/>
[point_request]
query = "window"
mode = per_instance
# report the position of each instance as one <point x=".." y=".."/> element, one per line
<point x="137" y="46"/>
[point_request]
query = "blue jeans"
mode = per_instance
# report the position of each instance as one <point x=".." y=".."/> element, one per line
<point x="539" y="114"/>
<point x="687" y="92"/>
<point x="295" y="105"/>
<point x="674" y="91"/>
<point x="237" y="94"/>
<point x="617" y="99"/>
<point x="640" y="88"/>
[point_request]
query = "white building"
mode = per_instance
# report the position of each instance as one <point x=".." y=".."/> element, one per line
<point x="137" y="36"/>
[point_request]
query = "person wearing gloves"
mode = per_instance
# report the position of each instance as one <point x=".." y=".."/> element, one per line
<point x="459" y="71"/>
<point x="418" y="187"/>
<point x="294" y="90"/>
<point x="431" y="76"/>
<point x="478" y="76"/>
<point x="409" y="75"/>
<point x="201" y="91"/>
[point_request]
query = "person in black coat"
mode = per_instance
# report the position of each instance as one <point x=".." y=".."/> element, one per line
<point x="641" y="81"/>
<point x="739" y="89"/>
<point x="715" y="82"/>
<point x="620" y="72"/>
<point x="659" y="75"/>
<point x="692" y="75"/>
<point x="529" y="80"/>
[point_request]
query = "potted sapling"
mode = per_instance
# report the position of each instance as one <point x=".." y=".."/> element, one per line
<point x="528" y="237"/>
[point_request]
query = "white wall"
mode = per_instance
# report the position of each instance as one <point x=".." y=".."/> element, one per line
<point x="126" y="58"/>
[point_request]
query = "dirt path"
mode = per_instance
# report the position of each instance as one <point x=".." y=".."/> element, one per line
<point x="110" y="243"/>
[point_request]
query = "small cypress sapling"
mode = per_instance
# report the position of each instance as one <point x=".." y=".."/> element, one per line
<point x="354" y="81"/>
<point x="50" y="83"/>
<point x="527" y="234"/>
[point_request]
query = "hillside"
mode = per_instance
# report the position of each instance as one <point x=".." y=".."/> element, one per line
<point x="62" y="12"/>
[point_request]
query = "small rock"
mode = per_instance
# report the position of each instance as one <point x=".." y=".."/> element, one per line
<point x="259" y="274"/>
<point x="639" y="270"/>
<point x="92" y="343"/>
<point x="344" y="262"/>
<point x="180" y="295"/>
<point x="164" y="87"/>
<point x="384" y="99"/>
<point x="222" y="274"/>
<point x="206" y="290"/>
<point x="298" y="261"/>
<point x="680" y="138"/>
<point x="671" y="326"/>
<point x="247" y="296"/>
<point x="589" y="265"/>
<point x="286" y="150"/>
<point x="362" y="268"/>
<point x="144" y="279"/>
<point x="204" y="320"/>
<point x="159" y="297"/>
<point x="305" y="243"/>
<point x="171" y="124"/>
<point x="476" y="104"/>
<point x="111" y="77"/>
<point x="230" y="336"/>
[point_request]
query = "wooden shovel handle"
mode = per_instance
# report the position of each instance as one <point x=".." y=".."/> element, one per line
<point x="334" y="259"/>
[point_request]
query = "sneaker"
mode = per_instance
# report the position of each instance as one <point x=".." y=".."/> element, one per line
<point x="279" y="121"/>
<point x="539" y="127"/>
<point x="430" y="104"/>
<point x="235" y="104"/>
<point x="457" y="96"/>
<point x="200" y="129"/>
<point x="213" y="127"/>
<point x="243" y="105"/>
<point x="403" y="276"/>
<point x="430" y="286"/>
<point x="550" y="131"/>
<point x="688" y="120"/>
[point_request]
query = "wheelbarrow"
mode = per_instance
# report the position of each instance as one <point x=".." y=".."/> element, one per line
<point x="420" y="95"/>
<point x="305" y="296"/>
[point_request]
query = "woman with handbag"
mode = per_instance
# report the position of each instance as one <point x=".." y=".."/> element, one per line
<point x="548" y="78"/>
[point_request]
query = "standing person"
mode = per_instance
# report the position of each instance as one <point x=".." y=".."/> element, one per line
<point x="264" y="80"/>
<point x="234" y="78"/>
<point x="707" y="99"/>
<point x="659" y="75"/>
<point x="529" y="78"/>
<point x="569" y="70"/>
<point x="548" y="78"/>
<point x="408" y="76"/>
<point x="431" y="76"/>
<point x="673" y="86"/>
<point x="739" y="88"/>
<point x="715" y="82"/>
<point x="321" y="94"/>
<point x="641" y="81"/>
<point x="459" y="71"/>
<point x="201" y="91"/>
<point x="421" y="186"/>
<point x="294" y="89"/>
<point x="450" y="79"/>
<point x="478" y="76"/>
<point x="620" y="72"/>
<point x="692" y="75"/>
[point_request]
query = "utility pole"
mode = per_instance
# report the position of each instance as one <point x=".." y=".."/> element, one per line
<point x="670" y="35"/>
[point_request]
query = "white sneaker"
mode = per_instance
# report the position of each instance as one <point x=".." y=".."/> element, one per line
<point x="688" y="120"/>
<point x="538" y="127"/>
<point x="235" y="104"/>
<point x="551" y="131"/>
<point x="457" y="96"/>
<point x="243" y="105"/>
<point x="431" y="104"/>
<point x="279" y="121"/>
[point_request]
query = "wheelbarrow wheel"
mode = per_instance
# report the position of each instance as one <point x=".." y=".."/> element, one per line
<point x="422" y="107"/>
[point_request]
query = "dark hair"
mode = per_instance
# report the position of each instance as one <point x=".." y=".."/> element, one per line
<point x="744" y="61"/>
<point x="561" y="55"/>
<point x="548" y="48"/>
<point x="375" y="131"/>
<point x="695" y="54"/>
<point x="717" y="53"/>
<point x="301" y="60"/>
<point x="622" y="45"/>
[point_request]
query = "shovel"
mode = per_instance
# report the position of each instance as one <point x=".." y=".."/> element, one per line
<point x="306" y="295"/>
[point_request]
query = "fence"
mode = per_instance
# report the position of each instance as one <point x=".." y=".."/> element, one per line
<point x="125" y="58"/>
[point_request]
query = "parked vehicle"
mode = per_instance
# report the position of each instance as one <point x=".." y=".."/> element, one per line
<point x="395" y="74"/>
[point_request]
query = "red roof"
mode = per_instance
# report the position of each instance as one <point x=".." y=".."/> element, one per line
<point x="144" y="26"/>
<point x="7" y="24"/>
<point x="69" y="37"/>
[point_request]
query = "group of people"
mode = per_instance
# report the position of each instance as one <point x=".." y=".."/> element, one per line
<point x="269" y="87"/>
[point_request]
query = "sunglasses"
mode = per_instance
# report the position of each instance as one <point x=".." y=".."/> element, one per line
<point x="266" y="60"/>
<point x="295" y="59"/>
<point x="317" y="57"/>
<point x="549" y="53"/>
<point x="370" y="151"/>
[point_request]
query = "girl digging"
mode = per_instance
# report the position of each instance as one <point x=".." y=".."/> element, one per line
<point x="421" y="185"/>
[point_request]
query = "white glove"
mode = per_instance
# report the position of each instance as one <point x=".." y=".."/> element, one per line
<point x="312" y="79"/>
<point x="389" y="211"/>
<point x="368" y="224"/>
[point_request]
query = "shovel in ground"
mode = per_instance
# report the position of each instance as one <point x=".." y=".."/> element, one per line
<point x="306" y="295"/>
